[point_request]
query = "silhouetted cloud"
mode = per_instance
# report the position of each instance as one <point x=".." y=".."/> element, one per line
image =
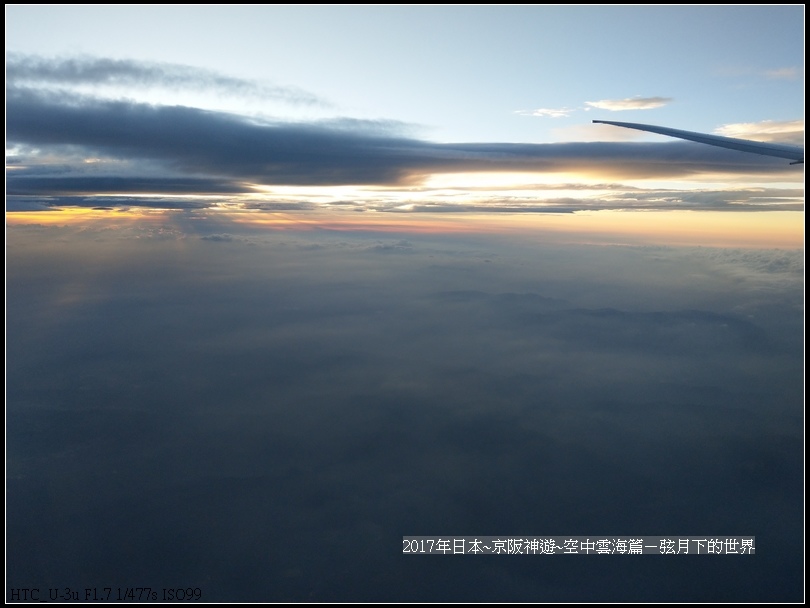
<point x="65" y="147"/>
<point x="231" y="150"/>
<point x="28" y="184"/>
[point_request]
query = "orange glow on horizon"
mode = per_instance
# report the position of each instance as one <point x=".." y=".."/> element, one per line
<point x="765" y="229"/>
<point x="70" y="216"/>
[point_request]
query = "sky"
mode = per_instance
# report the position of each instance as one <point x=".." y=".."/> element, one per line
<point x="285" y="284"/>
<point x="404" y="109"/>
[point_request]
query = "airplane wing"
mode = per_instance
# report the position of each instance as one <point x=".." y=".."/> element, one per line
<point x="794" y="153"/>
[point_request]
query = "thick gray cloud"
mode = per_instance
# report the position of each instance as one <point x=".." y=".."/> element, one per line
<point x="32" y="185"/>
<point x="192" y="143"/>
<point x="68" y="146"/>
<point x="264" y="416"/>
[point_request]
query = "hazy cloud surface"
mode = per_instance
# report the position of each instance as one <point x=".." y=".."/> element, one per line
<point x="265" y="415"/>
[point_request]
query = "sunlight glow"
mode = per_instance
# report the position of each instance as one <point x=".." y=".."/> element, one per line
<point x="765" y="229"/>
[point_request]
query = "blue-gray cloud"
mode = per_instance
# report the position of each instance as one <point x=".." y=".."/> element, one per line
<point x="193" y="142"/>
<point x="36" y="71"/>
<point x="68" y="148"/>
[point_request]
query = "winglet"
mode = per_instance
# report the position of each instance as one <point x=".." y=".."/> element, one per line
<point x="794" y="153"/>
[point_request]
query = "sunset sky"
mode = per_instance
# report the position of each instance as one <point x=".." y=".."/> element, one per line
<point x="320" y="111"/>
<point x="286" y="284"/>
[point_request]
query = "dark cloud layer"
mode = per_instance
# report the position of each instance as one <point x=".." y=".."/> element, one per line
<point x="265" y="416"/>
<point x="21" y="185"/>
<point x="229" y="148"/>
